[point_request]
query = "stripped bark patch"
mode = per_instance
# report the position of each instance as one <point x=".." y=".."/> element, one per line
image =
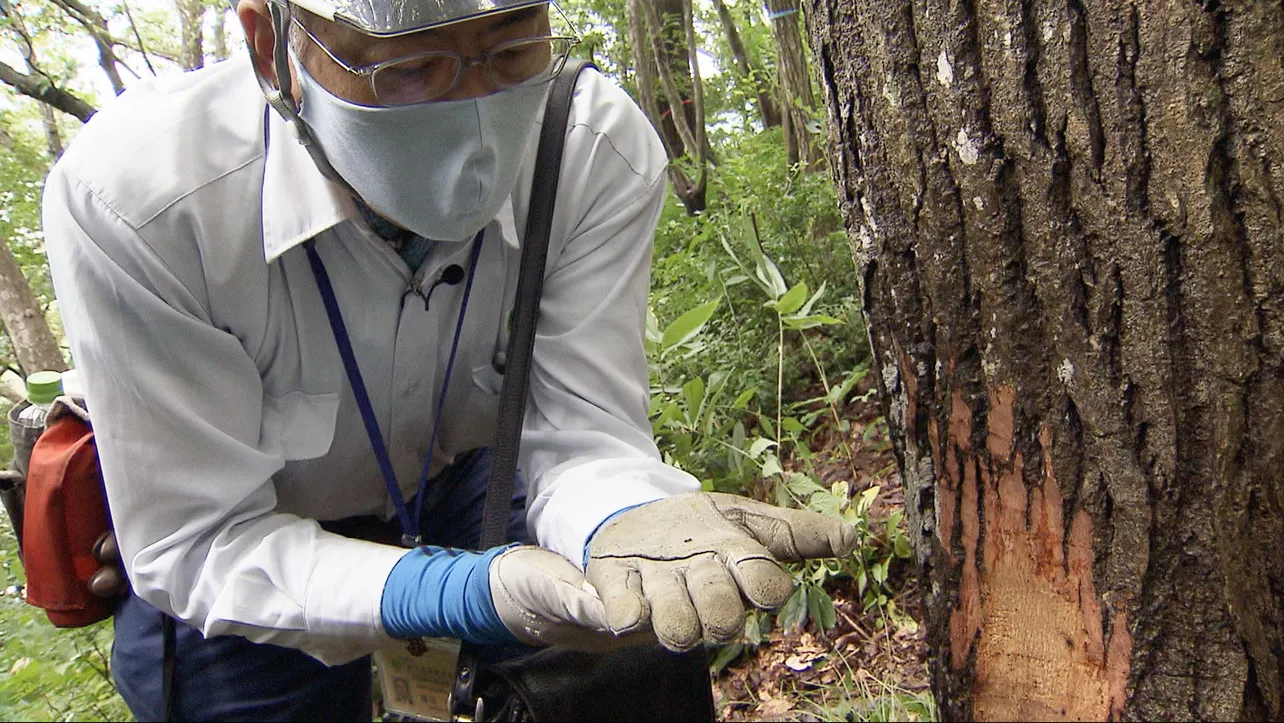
<point x="947" y="493"/>
<point x="1030" y="609"/>
<point x="965" y="620"/>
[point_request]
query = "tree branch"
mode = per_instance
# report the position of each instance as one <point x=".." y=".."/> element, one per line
<point x="748" y="69"/>
<point x="666" y="78"/>
<point x="45" y="91"/>
<point x="697" y="96"/>
<point x="134" y="26"/>
<point x="96" y="24"/>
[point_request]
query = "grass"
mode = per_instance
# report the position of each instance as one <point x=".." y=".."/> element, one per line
<point x="48" y="673"/>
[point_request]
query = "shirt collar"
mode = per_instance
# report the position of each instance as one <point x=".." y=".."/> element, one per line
<point x="299" y="202"/>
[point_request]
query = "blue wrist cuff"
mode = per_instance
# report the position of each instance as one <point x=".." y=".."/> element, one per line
<point x="442" y="592"/>
<point x="589" y="541"/>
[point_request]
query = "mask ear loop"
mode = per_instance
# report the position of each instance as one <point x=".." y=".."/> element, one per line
<point x="279" y="95"/>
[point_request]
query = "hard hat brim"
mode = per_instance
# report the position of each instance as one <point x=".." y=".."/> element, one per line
<point x="385" y="18"/>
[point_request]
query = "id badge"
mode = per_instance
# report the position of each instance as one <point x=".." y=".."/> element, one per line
<point x="419" y="685"/>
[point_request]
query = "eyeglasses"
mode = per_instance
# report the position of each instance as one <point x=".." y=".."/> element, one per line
<point x="432" y="74"/>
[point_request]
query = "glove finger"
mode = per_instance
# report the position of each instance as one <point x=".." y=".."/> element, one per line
<point x="716" y="597"/>
<point x="790" y="535"/>
<point x="619" y="584"/>
<point x="673" y="617"/>
<point x="105" y="549"/>
<point x="545" y="600"/>
<point x="107" y="582"/>
<point x="762" y="581"/>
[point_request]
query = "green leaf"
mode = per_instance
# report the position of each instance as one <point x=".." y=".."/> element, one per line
<point x="806" y="309"/>
<point x="792" y="300"/>
<point x="753" y="627"/>
<point x="767" y="427"/>
<point x="799" y="323"/>
<point x="717" y="380"/>
<point x="734" y="459"/>
<point x="693" y="396"/>
<point x="792" y="426"/>
<point x="880" y="572"/>
<point x="769" y="275"/>
<point x="726" y="245"/>
<point x="803" y="486"/>
<point x="867" y="499"/>
<point x="901" y="547"/>
<point x="771" y="466"/>
<point x="825" y="503"/>
<point x="726" y="655"/>
<point x="821" y="607"/>
<point x="760" y="445"/>
<point x="742" y="400"/>
<point x="652" y="327"/>
<point x="685" y="327"/>
<point x="793" y="614"/>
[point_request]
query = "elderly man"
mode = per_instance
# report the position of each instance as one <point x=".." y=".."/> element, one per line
<point x="252" y="504"/>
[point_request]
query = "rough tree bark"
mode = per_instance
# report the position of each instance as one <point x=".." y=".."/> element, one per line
<point x="1067" y="217"/>
<point x="797" y="100"/>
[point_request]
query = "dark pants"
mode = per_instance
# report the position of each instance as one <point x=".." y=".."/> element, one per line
<point x="231" y="678"/>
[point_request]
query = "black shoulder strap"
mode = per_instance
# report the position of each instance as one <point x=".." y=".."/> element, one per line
<point x="521" y="343"/>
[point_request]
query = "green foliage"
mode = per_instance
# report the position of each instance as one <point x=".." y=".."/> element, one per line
<point x="48" y="674"/>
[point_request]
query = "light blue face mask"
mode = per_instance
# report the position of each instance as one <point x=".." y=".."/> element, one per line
<point x="441" y="169"/>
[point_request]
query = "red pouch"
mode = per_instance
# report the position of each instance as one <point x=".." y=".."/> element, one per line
<point x="65" y="515"/>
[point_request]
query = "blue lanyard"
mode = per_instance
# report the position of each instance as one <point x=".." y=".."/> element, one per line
<point x="409" y="520"/>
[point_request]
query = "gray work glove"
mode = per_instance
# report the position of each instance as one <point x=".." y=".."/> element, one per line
<point x="545" y="600"/>
<point x="683" y="563"/>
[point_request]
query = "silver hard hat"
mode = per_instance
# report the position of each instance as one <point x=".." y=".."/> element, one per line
<point x="397" y="17"/>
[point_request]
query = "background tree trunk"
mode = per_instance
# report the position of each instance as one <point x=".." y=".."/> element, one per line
<point x="746" y="67"/>
<point x="33" y="343"/>
<point x="220" y="32"/>
<point x="191" y="19"/>
<point x="796" y="97"/>
<point x="664" y="59"/>
<point x="1067" y="219"/>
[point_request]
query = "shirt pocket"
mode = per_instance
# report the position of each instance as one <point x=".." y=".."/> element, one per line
<point x="298" y="425"/>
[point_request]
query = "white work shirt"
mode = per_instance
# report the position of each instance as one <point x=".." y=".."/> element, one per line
<point x="225" y="423"/>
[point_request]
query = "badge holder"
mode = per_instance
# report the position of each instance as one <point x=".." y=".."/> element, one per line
<point x="419" y="686"/>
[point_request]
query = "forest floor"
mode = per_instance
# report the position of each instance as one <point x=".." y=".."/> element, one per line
<point x="873" y="664"/>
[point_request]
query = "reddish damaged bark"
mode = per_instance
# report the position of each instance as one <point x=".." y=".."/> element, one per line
<point x="1030" y="612"/>
<point x="1068" y="224"/>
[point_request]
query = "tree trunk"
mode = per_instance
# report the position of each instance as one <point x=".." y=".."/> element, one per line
<point x="220" y="33"/>
<point x="796" y="96"/>
<point x="746" y="67"/>
<point x="96" y="24"/>
<point x="1067" y="222"/>
<point x="664" y="60"/>
<point x="33" y="343"/>
<point x="191" y="20"/>
<point x="53" y="135"/>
